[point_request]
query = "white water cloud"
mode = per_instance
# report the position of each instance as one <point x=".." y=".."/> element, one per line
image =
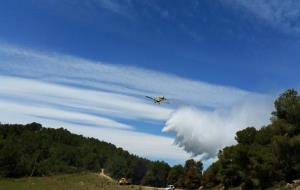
<point x="204" y="133"/>
<point x="98" y="99"/>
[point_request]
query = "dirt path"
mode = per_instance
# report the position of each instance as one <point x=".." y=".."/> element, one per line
<point x="102" y="174"/>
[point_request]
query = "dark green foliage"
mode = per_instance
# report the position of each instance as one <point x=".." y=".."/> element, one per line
<point x="137" y="170"/>
<point x="157" y="174"/>
<point x="174" y="175"/>
<point x="211" y="177"/>
<point x="31" y="150"/>
<point x="288" y="107"/>
<point x="192" y="174"/>
<point x="246" y="136"/>
<point x="265" y="157"/>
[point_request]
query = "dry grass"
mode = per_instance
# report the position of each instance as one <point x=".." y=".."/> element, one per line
<point x="83" y="181"/>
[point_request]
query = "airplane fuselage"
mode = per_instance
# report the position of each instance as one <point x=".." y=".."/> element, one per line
<point x="158" y="99"/>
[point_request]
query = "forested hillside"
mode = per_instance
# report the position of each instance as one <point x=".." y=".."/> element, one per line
<point x="262" y="158"/>
<point x="32" y="150"/>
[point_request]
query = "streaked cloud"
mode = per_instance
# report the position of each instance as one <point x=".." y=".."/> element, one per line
<point x="143" y="144"/>
<point x="115" y="6"/>
<point x="100" y="100"/>
<point x="39" y="111"/>
<point x="116" y="78"/>
<point x="140" y="143"/>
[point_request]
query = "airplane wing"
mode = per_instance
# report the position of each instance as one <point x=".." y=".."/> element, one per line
<point x="149" y="97"/>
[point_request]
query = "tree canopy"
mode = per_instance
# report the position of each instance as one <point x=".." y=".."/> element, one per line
<point x="265" y="157"/>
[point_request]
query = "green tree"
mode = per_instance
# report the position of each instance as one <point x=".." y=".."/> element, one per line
<point x="211" y="176"/>
<point x="192" y="174"/>
<point x="157" y="174"/>
<point x="288" y="107"/>
<point x="175" y="173"/>
<point x="246" y="136"/>
<point x="262" y="157"/>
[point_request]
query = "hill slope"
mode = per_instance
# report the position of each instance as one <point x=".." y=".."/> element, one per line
<point x="81" y="181"/>
<point x="32" y="150"/>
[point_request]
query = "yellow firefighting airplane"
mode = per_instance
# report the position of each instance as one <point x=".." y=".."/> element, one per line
<point x="157" y="99"/>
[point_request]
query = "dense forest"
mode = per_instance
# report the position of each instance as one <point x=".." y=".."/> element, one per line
<point x="32" y="150"/>
<point x="262" y="158"/>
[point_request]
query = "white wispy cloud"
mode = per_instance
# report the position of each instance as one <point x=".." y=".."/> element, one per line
<point x="116" y="78"/>
<point x="153" y="146"/>
<point x="97" y="99"/>
<point x="139" y="143"/>
<point x="47" y="112"/>
<point x="25" y="100"/>
<point x="116" y="6"/>
<point x="100" y="102"/>
<point x="283" y="14"/>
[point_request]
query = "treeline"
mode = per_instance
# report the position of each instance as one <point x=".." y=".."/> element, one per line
<point x="262" y="158"/>
<point x="32" y="150"/>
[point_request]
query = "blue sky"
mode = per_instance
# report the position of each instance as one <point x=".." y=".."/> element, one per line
<point x="215" y="58"/>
